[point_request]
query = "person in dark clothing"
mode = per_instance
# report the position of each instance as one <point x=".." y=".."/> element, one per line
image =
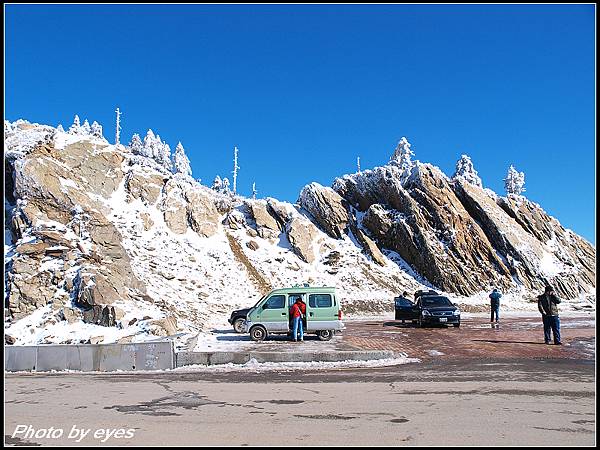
<point x="495" y="304"/>
<point x="548" y="306"/>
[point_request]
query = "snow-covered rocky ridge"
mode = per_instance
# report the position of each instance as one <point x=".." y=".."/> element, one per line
<point x="105" y="245"/>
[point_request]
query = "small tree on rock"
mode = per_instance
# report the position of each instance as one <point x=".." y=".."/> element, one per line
<point x="85" y="128"/>
<point x="76" y="127"/>
<point x="217" y="184"/>
<point x="181" y="163"/>
<point x="135" y="146"/>
<point x="97" y="130"/>
<point x="402" y="155"/>
<point x="164" y="156"/>
<point x="226" y="189"/>
<point x="150" y="143"/>
<point x="466" y="171"/>
<point x="514" y="183"/>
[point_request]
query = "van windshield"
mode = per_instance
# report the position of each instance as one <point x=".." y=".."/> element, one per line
<point x="259" y="300"/>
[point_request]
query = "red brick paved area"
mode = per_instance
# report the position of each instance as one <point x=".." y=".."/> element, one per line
<point x="516" y="337"/>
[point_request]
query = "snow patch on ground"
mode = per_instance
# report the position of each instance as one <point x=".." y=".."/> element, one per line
<point x="254" y="366"/>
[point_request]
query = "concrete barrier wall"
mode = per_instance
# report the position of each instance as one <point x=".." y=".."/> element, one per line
<point x="213" y="358"/>
<point x="87" y="357"/>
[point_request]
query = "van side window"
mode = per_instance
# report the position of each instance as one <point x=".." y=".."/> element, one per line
<point x="276" y="302"/>
<point x="320" y="301"/>
<point x="292" y="299"/>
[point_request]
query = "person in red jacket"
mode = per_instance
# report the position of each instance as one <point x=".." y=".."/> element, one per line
<point x="297" y="312"/>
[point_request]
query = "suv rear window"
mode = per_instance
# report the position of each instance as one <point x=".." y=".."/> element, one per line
<point x="320" y="301"/>
<point x="403" y="302"/>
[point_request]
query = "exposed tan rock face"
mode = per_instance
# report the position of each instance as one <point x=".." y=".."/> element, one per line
<point x="301" y="233"/>
<point x="68" y="186"/>
<point x="369" y="247"/>
<point x="267" y="226"/>
<point x="145" y="187"/>
<point x="326" y="207"/>
<point x="576" y="255"/>
<point x="174" y="207"/>
<point x="279" y="213"/>
<point x="521" y="250"/>
<point x="164" y="327"/>
<point x="235" y="220"/>
<point x="464" y="239"/>
<point x="146" y="220"/>
<point x="202" y="213"/>
<point x="428" y="226"/>
<point x="184" y="206"/>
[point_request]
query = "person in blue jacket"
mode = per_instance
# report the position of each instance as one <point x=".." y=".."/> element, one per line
<point x="495" y="304"/>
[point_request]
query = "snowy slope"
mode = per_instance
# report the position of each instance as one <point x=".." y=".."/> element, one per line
<point x="196" y="275"/>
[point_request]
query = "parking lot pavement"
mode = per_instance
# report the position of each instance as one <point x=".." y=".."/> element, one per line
<point x="541" y="395"/>
<point x="517" y="336"/>
<point x="514" y="337"/>
<point x="228" y="341"/>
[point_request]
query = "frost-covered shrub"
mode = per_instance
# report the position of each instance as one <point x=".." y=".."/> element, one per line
<point x="466" y="171"/>
<point x="514" y="183"/>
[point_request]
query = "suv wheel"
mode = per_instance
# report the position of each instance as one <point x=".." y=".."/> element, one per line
<point x="456" y="325"/>
<point x="325" y="335"/>
<point x="238" y="325"/>
<point x="258" y="333"/>
<point x="397" y="315"/>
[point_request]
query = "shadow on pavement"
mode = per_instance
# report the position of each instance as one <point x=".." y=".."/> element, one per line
<point x="270" y="338"/>
<point x="399" y="324"/>
<point x="507" y="342"/>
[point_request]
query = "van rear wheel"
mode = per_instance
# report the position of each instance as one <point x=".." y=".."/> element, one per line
<point x="325" y="335"/>
<point x="258" y="333"/>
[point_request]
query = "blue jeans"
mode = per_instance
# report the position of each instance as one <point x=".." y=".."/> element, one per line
<point x="495" y="310"/>
<point x="551" y="323"/>
<point x="298" y="324"/>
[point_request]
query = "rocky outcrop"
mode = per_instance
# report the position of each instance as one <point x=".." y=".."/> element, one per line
<point x="521" y="251"/>
<point x="174" y="207"/>
<point x="279" y="213"/>
<point x="82" y="213"/>
<point x="572" y="268"/>
<point x="60" y="217"/>
<point x="202" y="213"/>
<point x="301" y="234"/>
<point x="146" y="187"/>
<point x="266" y="224"/>
<point x="164" y="327"/>
<point x="235" y="220"/>
<point x="369" y="247"/>
<point x="426" y="224"/>
<point x="326" y="207"/>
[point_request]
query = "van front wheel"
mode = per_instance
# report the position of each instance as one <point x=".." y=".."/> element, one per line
<point x="325" y="335"/>
<point x="258" y="333"/>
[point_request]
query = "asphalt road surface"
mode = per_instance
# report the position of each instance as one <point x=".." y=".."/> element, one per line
<point x="524" y="394"/>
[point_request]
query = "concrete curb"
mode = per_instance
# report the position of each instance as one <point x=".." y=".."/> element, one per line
<point x="224" y="357"/>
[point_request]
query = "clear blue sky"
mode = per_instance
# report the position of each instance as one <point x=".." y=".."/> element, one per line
<point x="302" y="90"/>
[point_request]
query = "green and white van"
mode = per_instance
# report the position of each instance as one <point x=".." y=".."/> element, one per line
<point x="271" y="315"/>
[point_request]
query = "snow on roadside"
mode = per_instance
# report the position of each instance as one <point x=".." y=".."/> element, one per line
<point x="255" y="366"/>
